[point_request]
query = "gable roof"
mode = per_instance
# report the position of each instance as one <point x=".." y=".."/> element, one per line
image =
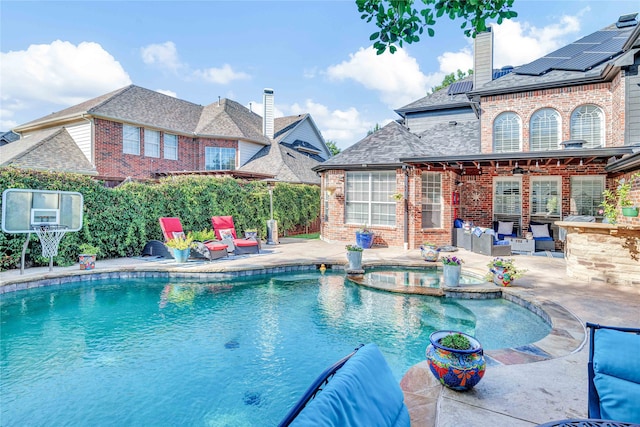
<point x="383" y="149"/>
<point x="42" y="150"/>
<point x="285" y="163"/>
<point x="440" y="99"/>
<point x="229" y="118"/>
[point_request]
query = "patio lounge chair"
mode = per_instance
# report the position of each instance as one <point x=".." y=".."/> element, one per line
<point x="614" y="373"/>
<point x="225" y="231"/>
<point x="211" y="249"/>
<point x="358" y="390"/>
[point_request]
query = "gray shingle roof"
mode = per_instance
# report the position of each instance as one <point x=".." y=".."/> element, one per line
<point x="437" y="100"/>
<point x="50" y="149"/>
<point x="285" y="163"/>
<point x="443" y="138"/>
<point x="229" y="118"/>
<point x="382" y="148"/>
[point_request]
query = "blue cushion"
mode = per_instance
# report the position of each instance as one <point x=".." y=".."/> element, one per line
<point x="363" y="392"/>
<point x="457" y="223"/>
<point x="616" y="367"/>
<point x="546" y="239"/>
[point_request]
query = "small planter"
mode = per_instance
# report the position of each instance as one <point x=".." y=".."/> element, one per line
<point x="87" y="261"/>
<point x="430" y="253"/>
<point x="364" y="239"/>
<point x="355" y="260"/>
<point x="451" y="275"/>
<point x="181" y="255"/>
<point x="500" y="277"/>
<point x="631" y="212"/>
<point x="456" y="369"/>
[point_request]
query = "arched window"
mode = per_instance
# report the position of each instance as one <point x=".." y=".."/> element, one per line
<point x="506" y="133"/>
<point x="587" y="122"/>
<point x="544" y="130"/>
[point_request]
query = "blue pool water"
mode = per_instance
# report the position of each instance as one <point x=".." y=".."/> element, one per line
<point x="238" y="353"/>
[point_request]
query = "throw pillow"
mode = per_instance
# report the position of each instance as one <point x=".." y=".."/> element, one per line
<point x="540" y="231"/>
<point x="178" y="235"/>
<point x="226" y="234"/>
<point x="505" y="228"/>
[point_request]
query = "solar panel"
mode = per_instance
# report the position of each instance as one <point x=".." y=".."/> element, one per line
<point x="598" y="37"/>
<point x="583" y="62"/>
<point x="538" y="67"/>
<point x="571" y="50"/>
<point x="613" y="46"/>
<point x="460" y="87"/>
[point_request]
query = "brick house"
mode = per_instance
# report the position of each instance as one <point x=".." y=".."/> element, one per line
<point x="141" y="134"/>
<point x="530" y="144"/>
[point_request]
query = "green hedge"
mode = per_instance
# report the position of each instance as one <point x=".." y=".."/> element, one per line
<point x="121" y="220"/>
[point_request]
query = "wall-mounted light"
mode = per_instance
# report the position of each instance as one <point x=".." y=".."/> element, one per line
<point x="580" y="162"/>
<point x="459" y="183"/>
<point x="558" y="163"/>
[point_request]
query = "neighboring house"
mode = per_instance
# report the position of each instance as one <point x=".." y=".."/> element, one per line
<point x="522" y="145"/>
<point x="138" y="133"/>
<point x="7" y="137"/>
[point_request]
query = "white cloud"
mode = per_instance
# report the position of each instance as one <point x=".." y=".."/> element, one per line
<point x="56" y="74"/>
<point x="345" y="127"/>
<point x="258" y="108"/>
<point x="222" y="75"/>
<point x="164" y="55"/>
<point x="518" y="43"/>
<point x="167" y="92"/>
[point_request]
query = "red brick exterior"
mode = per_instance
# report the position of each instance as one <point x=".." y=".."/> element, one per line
<point x="608" y="96"/>
<point x="112" y="163"/>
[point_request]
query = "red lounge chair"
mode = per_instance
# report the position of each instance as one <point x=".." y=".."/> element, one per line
<point x="210" y="249"/>
<point x="225" y="230"/>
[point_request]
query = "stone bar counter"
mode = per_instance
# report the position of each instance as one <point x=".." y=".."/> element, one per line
<point x="602" y="253"/>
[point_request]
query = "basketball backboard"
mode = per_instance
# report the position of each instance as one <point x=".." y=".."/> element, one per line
<point x="24" y="209"/>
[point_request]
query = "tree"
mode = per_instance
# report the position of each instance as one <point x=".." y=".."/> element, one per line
<point x="333" y="147"/>
<point x="452" y="78"/>
<point x="400" y="22"/>
<point x="375" y="129"/>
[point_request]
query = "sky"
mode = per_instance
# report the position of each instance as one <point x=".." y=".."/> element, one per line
<point x="315" y="55"/>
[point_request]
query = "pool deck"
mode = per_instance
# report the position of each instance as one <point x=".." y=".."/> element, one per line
<point x="522" y="387"/>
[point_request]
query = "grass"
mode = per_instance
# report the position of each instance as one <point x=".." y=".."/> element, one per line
<point x="307" y="236"/>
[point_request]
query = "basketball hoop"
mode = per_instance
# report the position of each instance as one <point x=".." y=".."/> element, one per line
<point x="50" y="236"/>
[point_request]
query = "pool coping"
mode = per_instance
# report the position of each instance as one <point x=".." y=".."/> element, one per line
<point x="567" y="334"/>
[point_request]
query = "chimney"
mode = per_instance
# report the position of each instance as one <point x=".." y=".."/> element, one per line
<point x="483" y="58"/>
<point x="267" y="117"/>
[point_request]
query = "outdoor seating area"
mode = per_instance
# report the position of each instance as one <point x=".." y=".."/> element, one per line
<point x="211" y="249"/>
<point x="225" y="231"/>
<point x="358" y="390"/>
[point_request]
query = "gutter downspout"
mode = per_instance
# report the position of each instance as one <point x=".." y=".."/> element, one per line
<point x="93" y="142"/>
<point x="406" y="207"/>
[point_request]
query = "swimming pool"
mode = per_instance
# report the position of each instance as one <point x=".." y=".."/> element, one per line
<point x="241" y="352"/>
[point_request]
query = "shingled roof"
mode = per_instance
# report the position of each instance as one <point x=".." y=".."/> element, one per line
<point x="285" y="163"/>
<point x="383" y="148"/>
<point x="229" y="118"/>
<point x="42" y="150"/>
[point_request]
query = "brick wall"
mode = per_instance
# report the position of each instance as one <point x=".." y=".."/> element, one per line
<point x="608" y="96"/>
<point x="112" y="162"/>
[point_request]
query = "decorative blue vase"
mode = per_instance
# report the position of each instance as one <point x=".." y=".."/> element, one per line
<point x="364" y="239"/>
<point x="430" y="253"/>
<point x="456" y="369"/>
<point x="181" y="255"/>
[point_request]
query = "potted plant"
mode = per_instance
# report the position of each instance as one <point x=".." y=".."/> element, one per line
<point x="87" y="256"/>
<point x="620" y="196"/>
<point x="451" y="269"/>
<point x="181" y="246"/>
<point x="354" y="256"/>
<point x="456" y="359"/>
<point x="430" y="251"/>
<point x="364" y="237"/>
<point x="503" y="271"/>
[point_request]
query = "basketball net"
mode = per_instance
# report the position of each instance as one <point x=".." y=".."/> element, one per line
<point x="50" y="236"/>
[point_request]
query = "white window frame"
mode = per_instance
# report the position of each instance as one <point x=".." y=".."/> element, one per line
<point x="544" y="130"/>
<point x="170" y="146"/>
<point x="432" y="200"/>
<point x="516" y="208"/>
<point x="507" y="128"/>
<point x="151" y="143"/>
<point x="546" y="200"/>
<point x="368" y="198"/>
<point x="130" y="139"/>
<point x="598" y="185"/>
<point x="587" y="123"/>
<point x="221" y="155"/>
